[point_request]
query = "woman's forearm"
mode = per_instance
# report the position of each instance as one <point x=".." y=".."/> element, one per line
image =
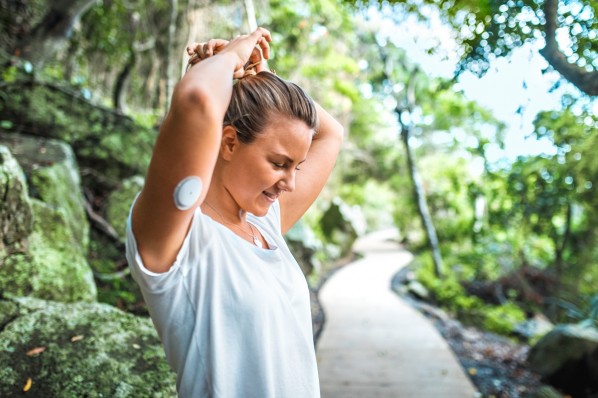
<point x="208" y="84"/>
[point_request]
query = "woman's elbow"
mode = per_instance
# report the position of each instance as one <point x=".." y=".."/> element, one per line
<point x="191" y="95"/>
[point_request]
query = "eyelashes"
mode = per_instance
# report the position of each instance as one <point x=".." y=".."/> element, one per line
<point x="283" y="166"/>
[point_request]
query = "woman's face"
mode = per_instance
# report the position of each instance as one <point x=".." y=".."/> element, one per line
<point x="262" y="170"/>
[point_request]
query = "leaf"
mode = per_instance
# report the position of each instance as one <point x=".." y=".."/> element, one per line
<point x="36" y="351"/>
<point x="77" y="338"/>
<point x="6" y="124"/>
<point x="28" y="384"/>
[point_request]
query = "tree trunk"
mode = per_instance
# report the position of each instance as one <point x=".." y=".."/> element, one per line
<point x="420" y="197"/>
<point x="251" y="19"/>
<point x="170" y="62"/>
<point x="558" y="259"/>
<point x="407" y="104"/>
<point x="118" y="94"/>
<point x="52" y="31"/>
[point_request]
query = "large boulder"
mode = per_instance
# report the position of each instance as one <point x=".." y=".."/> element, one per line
<point x="567" y="357"/>
<point x="15" y="207"/>
<point x="304" y="245"/>
<point x="79" y="350"/>
<point x="342" y="224"/>
<point x="48" y="258"/>
<point x="53" y="267"/>
<point x="53" y="178"/>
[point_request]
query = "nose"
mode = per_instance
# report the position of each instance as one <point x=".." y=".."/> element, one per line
<point x="287" y="183"/>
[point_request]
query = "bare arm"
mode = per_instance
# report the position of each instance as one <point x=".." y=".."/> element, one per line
<point x="188" y="145"/>
<point x="314" y="172"/>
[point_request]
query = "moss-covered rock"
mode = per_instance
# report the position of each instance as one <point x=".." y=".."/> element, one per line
<point x="119" y="203"/>
<point x="15" y="208"/>
<point x="342" y="224"/>
<point x="58" y="186"/>
<point x="54" y="267"/>
<point x="48" y="260"/>
<point x="304" y="245"/>
<point x="567" y="357"/>
<point x="53" y="178"/>
<point x="83" y="350"/>
<point x="110" y="143"/>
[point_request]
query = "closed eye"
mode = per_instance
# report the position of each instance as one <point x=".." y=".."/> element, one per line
<point x="286" y="164"/>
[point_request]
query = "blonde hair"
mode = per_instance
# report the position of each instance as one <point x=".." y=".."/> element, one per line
<point x="258" y="99"/>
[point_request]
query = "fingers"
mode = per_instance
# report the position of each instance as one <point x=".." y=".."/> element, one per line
<point x="258" y="40"/>
<point x="201" y="51"/>
<point x="214" y="46"/>
<point x="263" y="37"/>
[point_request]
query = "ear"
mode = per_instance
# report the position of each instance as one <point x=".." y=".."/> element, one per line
<point x="229" y="142"/>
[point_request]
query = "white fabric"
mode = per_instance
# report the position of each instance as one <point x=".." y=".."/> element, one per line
<point x="234" y="319"/>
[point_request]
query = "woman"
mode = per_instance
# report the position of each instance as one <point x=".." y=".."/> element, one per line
<point x="204" y="238"/>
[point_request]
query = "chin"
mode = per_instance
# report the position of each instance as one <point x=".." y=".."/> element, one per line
<point x="260" y="212"/>
<point x="260" y="209"/>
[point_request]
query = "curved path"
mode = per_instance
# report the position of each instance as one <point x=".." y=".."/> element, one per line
<point x="373" y="343"/>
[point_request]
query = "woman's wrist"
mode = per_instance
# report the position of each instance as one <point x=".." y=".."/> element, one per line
<point x="227" y="61"/>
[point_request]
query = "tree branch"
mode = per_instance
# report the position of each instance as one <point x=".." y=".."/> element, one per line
<point x="586" y="81"/>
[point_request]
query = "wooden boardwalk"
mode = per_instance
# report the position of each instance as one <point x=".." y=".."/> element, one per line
<point x="373" y="343"/>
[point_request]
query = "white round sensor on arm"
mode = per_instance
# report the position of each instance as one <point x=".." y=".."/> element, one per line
<point x="187" y="192"/>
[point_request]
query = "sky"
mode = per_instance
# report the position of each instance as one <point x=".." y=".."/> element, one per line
<point x="510" y="83"/>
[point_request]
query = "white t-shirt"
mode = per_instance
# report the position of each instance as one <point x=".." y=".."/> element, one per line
<point x="234" y="319"/>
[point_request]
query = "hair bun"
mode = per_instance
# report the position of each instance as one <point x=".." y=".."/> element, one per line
<point x="251" y="69"/>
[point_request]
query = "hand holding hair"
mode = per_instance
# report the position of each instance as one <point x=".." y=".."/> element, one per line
<point x="250" y="50"/>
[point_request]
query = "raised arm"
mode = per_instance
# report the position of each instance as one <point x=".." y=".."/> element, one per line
<point x="188" y="145"/>
<point x="314" y="172"/>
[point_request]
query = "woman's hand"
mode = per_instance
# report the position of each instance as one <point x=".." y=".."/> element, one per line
<point x="250" y="50"/>
<point x="200" y="51"/>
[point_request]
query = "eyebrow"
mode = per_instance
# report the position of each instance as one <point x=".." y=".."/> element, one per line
<point x="288" y="159"/>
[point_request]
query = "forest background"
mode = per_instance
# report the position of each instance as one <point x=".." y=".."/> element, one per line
<point x="499" y="240"/>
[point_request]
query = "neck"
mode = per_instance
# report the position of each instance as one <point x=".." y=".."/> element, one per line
<point x="223" y="206"/>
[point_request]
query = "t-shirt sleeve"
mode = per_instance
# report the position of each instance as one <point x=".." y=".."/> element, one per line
<point x="159" y="282"/>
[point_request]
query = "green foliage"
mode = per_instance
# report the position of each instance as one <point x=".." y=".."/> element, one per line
<point x="487" y="29"/>
<point x="9" y="74"/>
<point x="111" y="143"/>
<point x="450" y="294"/>
<point x="501" y="319"/>
<point x="115" y="285"/>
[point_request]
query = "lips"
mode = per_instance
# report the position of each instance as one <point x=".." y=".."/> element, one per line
<point x="271" y="196"/>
